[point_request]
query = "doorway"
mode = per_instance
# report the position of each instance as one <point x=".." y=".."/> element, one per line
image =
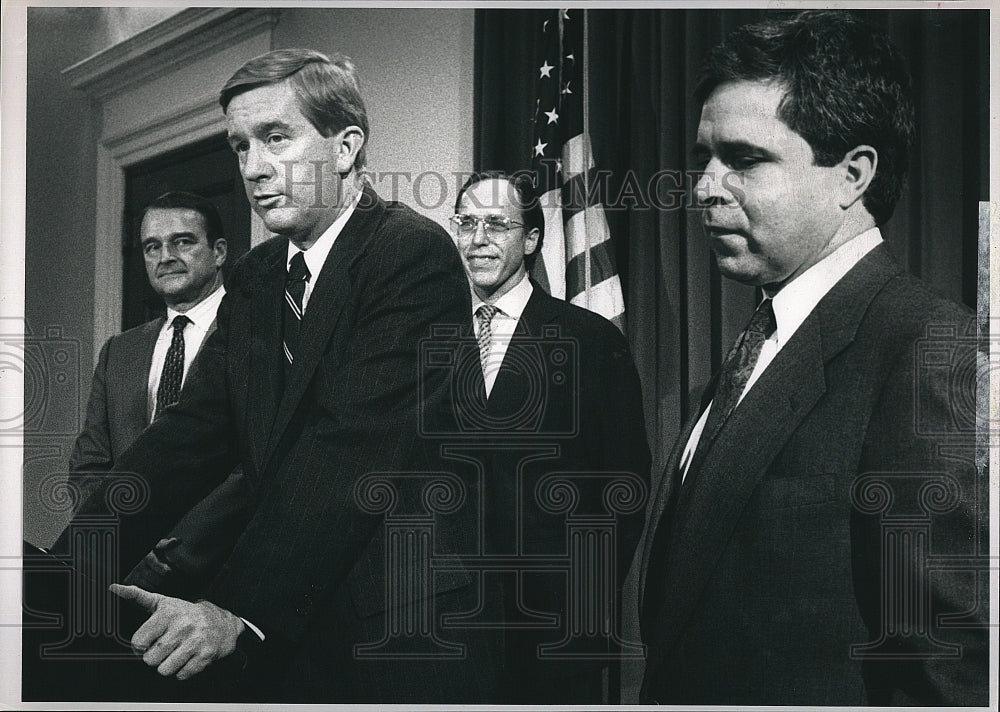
<point x="207" y="168"/>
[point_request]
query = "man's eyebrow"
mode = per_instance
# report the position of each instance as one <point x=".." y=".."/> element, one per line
<point x="171" y="236"/>
<point x="259" y="130"/>
<point x="729" y="148"/>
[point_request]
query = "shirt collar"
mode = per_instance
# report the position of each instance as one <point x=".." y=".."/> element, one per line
<point x="315" y="256"/>
<point x="203" y="313"/>
<point x="796" y="300"/>
<point x="512" y="303"/>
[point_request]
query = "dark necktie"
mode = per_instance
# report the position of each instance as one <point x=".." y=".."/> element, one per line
<point x="295" y="289"/>
<point x="733" y="377"/>
<point x="484" y="317"/>
<point x="172" y="375"/>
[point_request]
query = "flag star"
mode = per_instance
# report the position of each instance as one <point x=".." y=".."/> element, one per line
<point x="566" y="89"/>
<point x="544" y="25"/>
<point x="553" y="116"/>
<point x="558" y="165"/>
<point x="570" y="58"/>
<point x="565" y="14"/>
<point x="545" y="70"/>
<point x="540" y="147"/>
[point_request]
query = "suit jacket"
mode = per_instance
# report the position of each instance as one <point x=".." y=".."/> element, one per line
<point x="309" y="569"/>
<point x="773" y="564"/>
<point x="116" y="416"/>
<point x="566" y="405"/>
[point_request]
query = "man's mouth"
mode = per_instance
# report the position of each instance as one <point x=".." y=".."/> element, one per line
<point x="268" y="200"/>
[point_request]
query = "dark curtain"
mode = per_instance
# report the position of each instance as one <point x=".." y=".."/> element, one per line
<point x="682" y="316"/>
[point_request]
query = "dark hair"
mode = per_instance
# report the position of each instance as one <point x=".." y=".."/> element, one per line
<point x="845" y="84"/>
<point x="326" y="87"/>
<point x="203" y="206"/>
<point x="527" y="200"/>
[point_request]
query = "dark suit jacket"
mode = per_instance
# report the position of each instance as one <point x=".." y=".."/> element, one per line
<point x="566" y="405"/>
<point x="773" y="567"/>
<point x="117" y="415"/>
<point x="309" y="569"/>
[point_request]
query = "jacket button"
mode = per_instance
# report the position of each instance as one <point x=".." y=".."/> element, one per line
<point x="302" y="611"/>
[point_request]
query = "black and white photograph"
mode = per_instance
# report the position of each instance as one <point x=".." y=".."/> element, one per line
<point x="498" y="355"/>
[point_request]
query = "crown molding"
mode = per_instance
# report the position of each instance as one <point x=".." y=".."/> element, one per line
<point x="178" y="40"/>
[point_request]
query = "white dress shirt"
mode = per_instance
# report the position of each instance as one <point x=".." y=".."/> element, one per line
<point x="792" y="305"/>
<point x="201" y="315"/>
<point x="509" y="309"/>
<point x="316" y="255"/>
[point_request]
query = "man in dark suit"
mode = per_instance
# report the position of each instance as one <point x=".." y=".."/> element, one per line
<point x="792" y="542"/>
<point x="555" y="410"/>
<point x="311" y="381"/>
<point x="141" y="371"/>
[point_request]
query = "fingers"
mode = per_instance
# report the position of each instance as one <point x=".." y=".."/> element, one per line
<point x="150" y="632"/>
<point x="146" y="599"/>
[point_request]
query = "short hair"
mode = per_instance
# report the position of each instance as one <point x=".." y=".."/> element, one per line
<point x="527" y="200"/>
<point x="179" y="199"/>
<point x="845" y="85"/>
<point x="326" y="87"/>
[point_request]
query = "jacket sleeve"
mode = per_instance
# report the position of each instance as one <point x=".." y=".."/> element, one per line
<point x="919" y="526"/>
<point x="92" y="449"/>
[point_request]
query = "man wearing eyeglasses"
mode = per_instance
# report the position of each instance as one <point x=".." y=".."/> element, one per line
<point x="560" y="399"/>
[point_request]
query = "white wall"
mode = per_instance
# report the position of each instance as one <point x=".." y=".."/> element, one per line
<point x="416" y="71"/>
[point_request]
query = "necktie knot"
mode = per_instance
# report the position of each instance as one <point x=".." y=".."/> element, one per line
<point x="763" y="323"/>
<point x="485" y="313"/>
<point x="179" y="322"/>
<point x="297" y="270"/>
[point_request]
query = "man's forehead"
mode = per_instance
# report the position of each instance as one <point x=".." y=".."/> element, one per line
<point x="172" y="220"/>
<point x="744" y="112"/>
<point x="496" y="195"/>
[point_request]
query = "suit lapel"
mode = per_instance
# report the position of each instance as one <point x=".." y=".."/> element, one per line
<point x="138" y="390"/>
<point x="266" y="364"/>
<point x="712" y="500"/>
<point x="506" y="396"/>
<point x="324" y="309"/>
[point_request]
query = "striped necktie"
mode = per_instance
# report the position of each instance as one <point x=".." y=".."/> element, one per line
<point x="172" y="375"/>
<point x="295" y="289"/>
<point x="484" y="318"/>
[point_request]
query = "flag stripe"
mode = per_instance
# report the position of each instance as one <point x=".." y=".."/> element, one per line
<point x="602" y="267"/>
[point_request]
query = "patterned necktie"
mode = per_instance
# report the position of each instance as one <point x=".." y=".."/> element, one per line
<point x="733" y="378"/>
<point x="484" y="317"/>
<point x="172" y="374"/>
<point x="735" y="373"/>
<point x="295" y="289"/>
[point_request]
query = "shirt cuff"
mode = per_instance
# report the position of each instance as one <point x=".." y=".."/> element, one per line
<point x="252" y="627"/>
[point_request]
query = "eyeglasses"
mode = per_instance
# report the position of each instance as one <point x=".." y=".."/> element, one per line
<point x="495" y="225"/>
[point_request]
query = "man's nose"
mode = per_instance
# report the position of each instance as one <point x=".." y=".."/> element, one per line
<point x="711" y="188"/>
<point x="479" y="236"/>
<point x="256" y="166"/>
<point x="166" y="253"/>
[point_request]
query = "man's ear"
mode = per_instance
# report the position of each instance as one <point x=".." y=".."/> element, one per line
<point x="859" y="166"/>
<point x="221" y="250"/>
<point x="531" y="241"/>
<point x="349" y="142"/>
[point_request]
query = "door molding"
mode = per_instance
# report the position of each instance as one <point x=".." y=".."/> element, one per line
<point x="157" y="92"/>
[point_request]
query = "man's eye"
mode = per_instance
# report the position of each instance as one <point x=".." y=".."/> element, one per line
<point x="742" y="163"/>
<point x="497" y="222"/>
<point x="239" y="146"/>
<point x="465" y="222"/>
<point x="150" y="248"/>
<point x="274" y="139"/>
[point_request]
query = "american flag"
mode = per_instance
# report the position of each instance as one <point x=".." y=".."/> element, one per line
<point x="577" y="261"/>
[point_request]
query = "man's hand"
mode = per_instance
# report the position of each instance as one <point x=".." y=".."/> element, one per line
<point x="181" y="638"/>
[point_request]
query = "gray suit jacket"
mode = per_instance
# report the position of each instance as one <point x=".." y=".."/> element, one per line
<point x="789" y="550"/>
<point x="116" y="416"/>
